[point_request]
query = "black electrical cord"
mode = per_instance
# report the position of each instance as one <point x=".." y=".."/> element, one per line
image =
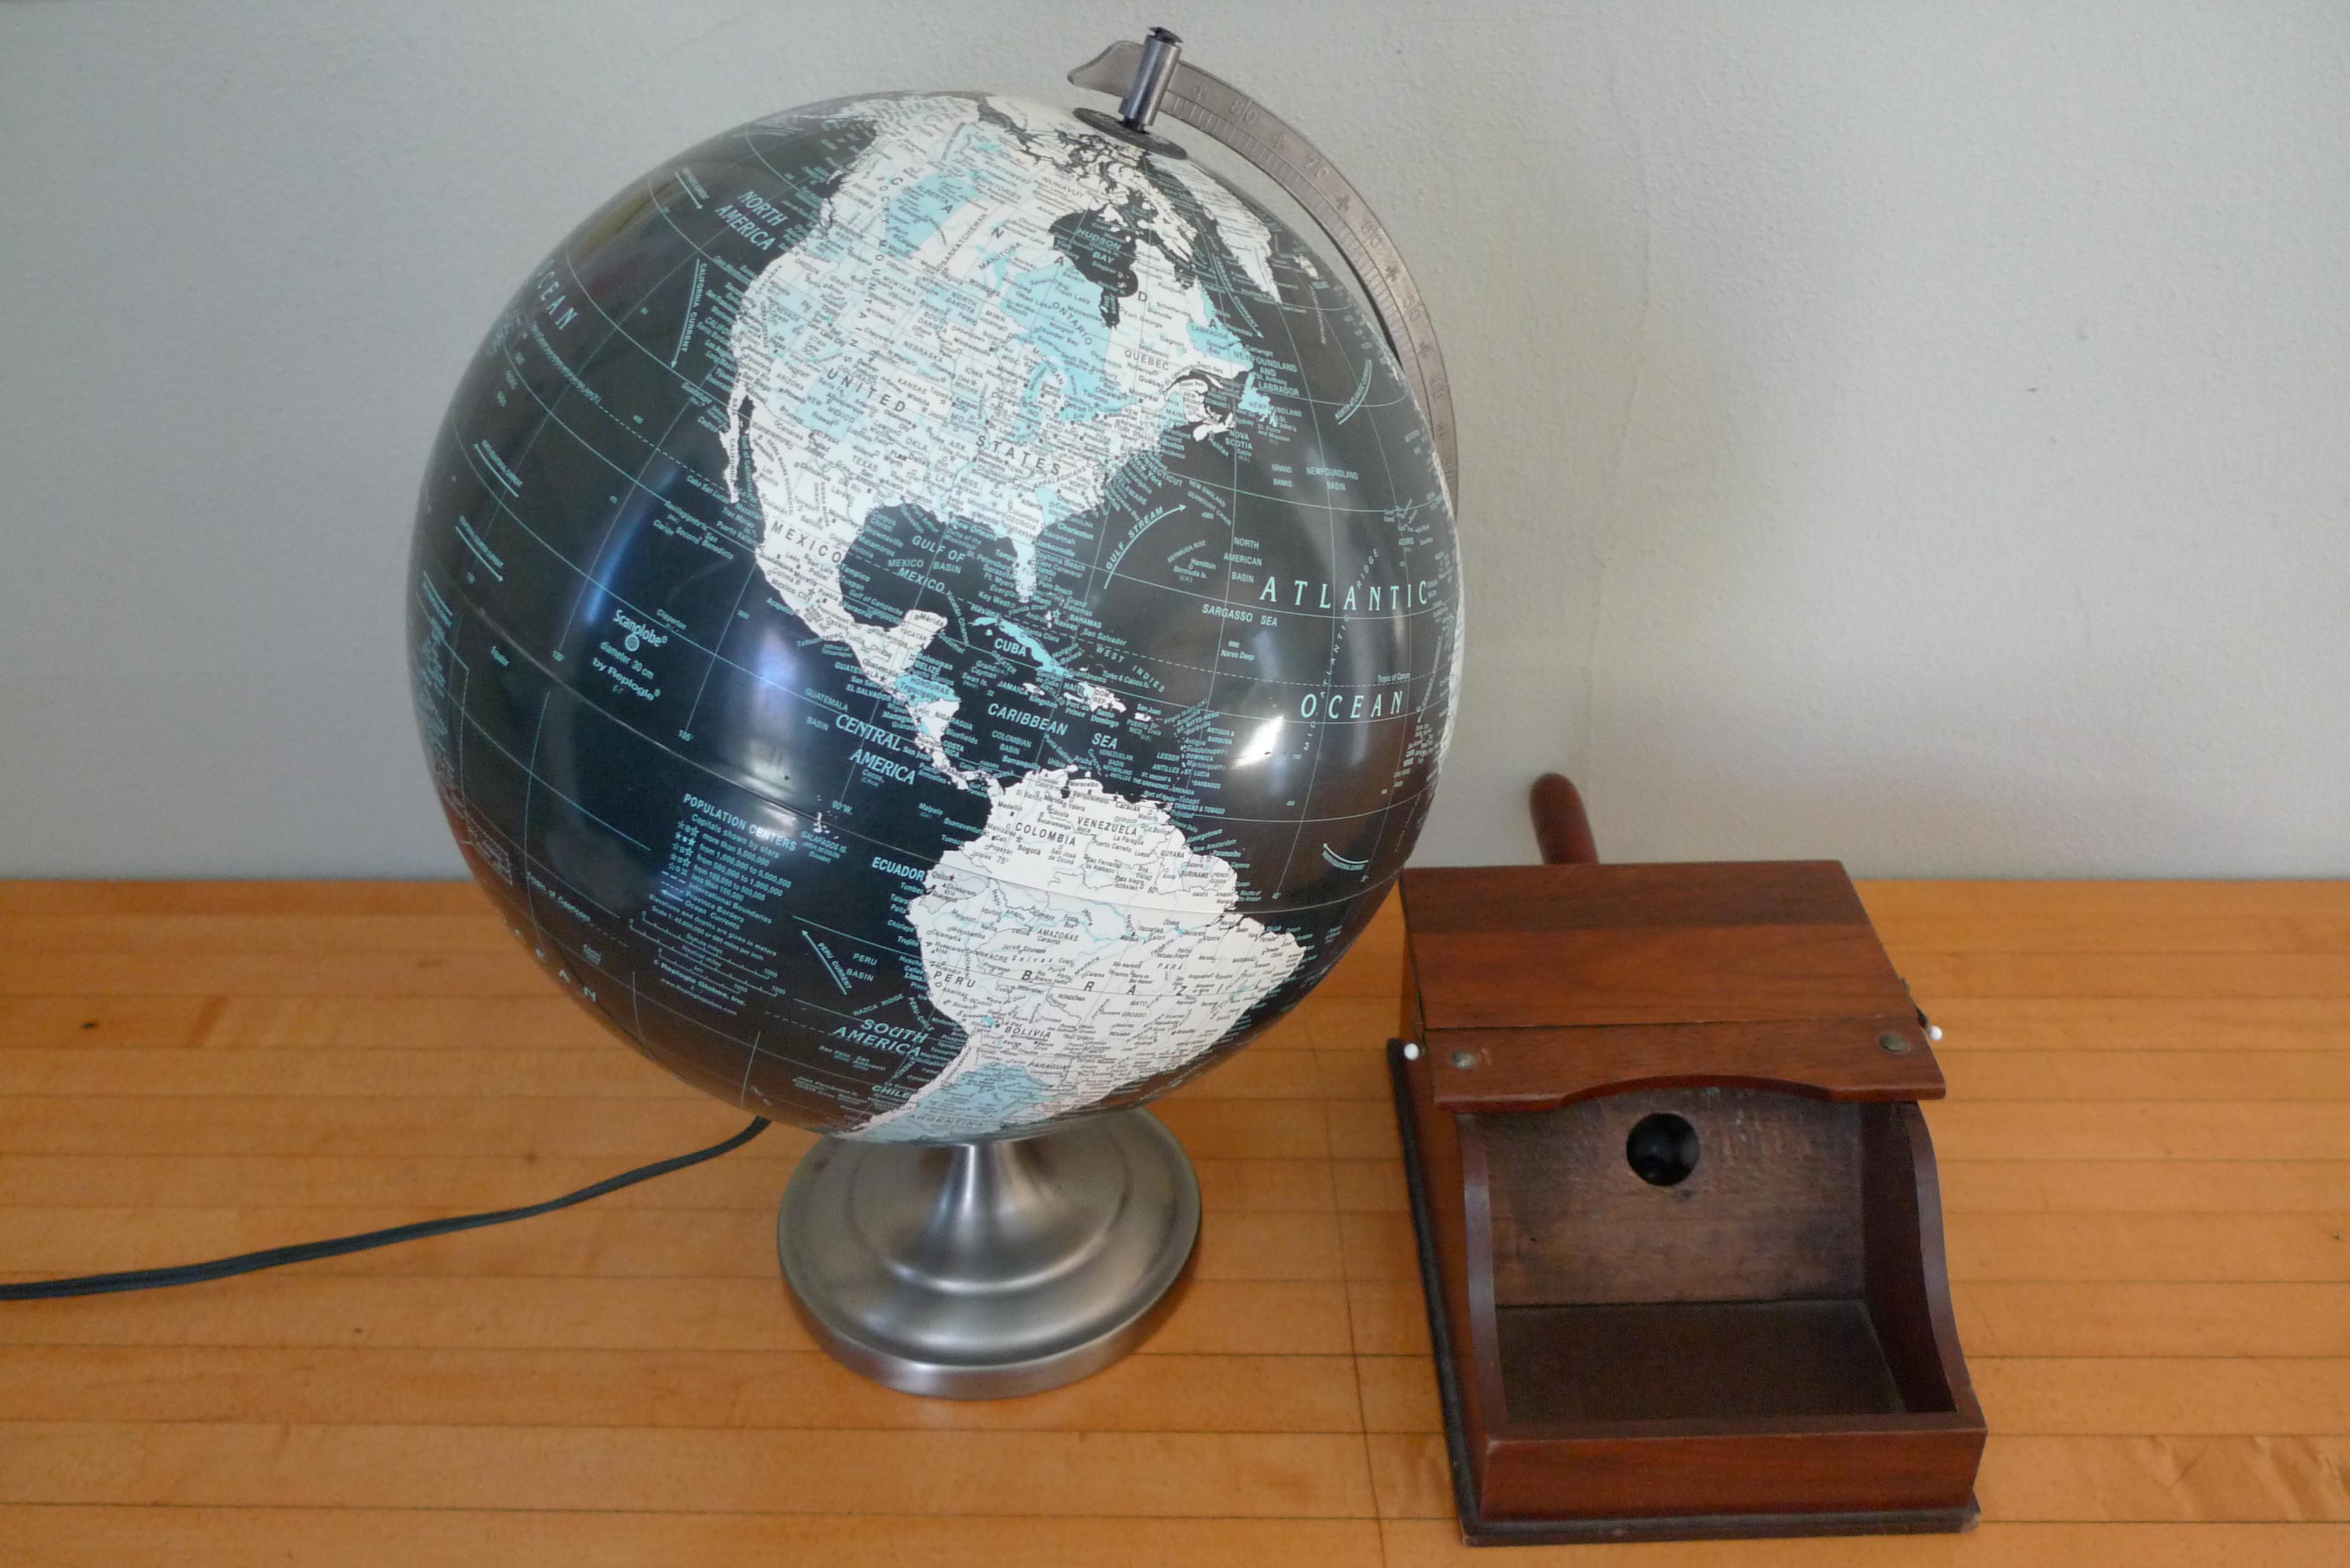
<point x="309" y="1251"/>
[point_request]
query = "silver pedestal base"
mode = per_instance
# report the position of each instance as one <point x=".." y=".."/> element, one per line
<point x="977" y="1271"/>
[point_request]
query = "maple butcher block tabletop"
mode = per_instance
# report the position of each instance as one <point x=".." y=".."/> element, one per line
<point x="2145" y="1166"/>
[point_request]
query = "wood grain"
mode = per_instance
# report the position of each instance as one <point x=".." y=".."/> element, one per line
<point x="2129" y="1479"/>
<point x="796" y="1390"/>
<point x="1133" y="1475"/>
<point x="2145" y="1159"/>
<point x="1536" y="1069"/>
<point x="2041" y="1395"/>
<point x="1422" y="1543"/>
<point x="200" y="1537"/>
<point x="1563" y="945"/>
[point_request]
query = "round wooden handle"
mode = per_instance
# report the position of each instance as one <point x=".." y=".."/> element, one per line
<point x="1562" y="828"/>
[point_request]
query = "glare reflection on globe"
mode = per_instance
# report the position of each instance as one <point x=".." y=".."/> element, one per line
<point x="932" y="617"/>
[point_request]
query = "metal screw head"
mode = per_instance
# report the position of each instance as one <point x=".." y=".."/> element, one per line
<point x="1890" y="1040"/>
<point x="1464" y="1058"/>
<point x="1411" y="1049"/>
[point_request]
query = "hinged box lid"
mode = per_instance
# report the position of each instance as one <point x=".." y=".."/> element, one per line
<point x="1540" y="984"/>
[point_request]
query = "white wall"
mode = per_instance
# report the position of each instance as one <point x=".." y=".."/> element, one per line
<point x="1912" y="433"/>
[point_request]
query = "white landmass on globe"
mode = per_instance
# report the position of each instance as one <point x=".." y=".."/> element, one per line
<point x="926" y="343"/>
<point x="1083" y="946"/>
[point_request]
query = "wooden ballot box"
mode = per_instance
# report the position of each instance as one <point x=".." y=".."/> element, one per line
<point x="1678" y="1224"/>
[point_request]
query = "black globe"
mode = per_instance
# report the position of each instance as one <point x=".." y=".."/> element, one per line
<point x="932" y="617"/>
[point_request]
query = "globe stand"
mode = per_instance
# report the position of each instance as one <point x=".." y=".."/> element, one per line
<point x="979" y="1271"/>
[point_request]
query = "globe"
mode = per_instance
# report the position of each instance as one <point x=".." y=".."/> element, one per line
<point x="934" y="615"/>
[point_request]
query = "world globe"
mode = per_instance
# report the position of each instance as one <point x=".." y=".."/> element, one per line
<point x="933" y="616"/>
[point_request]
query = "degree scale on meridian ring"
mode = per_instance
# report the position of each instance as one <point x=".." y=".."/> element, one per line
<point x="1150" y="77"/>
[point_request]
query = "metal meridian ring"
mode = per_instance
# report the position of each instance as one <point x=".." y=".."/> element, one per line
<point x="1293" y="163"/>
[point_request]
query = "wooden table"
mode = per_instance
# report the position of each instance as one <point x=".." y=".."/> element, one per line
<point x="2146" y="1157"/>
